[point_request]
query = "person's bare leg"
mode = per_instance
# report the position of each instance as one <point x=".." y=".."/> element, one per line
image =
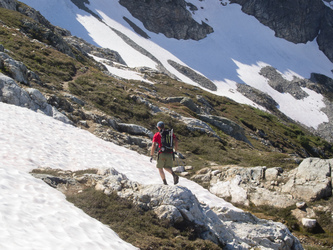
<point x="175" y="177"/>
<point x="162" y="175"/>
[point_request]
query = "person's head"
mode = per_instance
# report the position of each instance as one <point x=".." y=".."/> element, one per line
<point x="160" y="125"/>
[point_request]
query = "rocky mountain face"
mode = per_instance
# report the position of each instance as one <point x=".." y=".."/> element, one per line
<point x="297" y="21"/>
<point x="170" y="18"/>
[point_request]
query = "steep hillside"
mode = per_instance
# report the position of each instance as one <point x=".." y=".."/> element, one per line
<point x="229" y="60"/>
<point x="82" y="89"/>
<point x="79" y="79"/>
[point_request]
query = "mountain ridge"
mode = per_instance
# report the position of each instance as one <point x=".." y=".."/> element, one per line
<point x="224" y="86"/>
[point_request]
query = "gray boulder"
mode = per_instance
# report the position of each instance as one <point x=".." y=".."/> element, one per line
<point x="188" y="102"/>
<point x="311" y="180"/>
<point x="134" y="129"/>
<point x="174" y="99"/>
<point x="227" y="126"/>
<point x="198" y="125"/>
<point x="17" y="70"/>
<point x="32" y="99"/>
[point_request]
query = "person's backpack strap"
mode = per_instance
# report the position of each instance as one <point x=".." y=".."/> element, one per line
<point x="166" y="141"/>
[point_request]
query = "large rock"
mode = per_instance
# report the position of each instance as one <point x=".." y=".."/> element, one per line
<point x="231" y="190"/>
<point x="188" y="102"/>
<point x="135" y="129"/>
<point x="311" y="180"/>
<point x="193" y="75"/>
<point x="227" y="126"/>
<point x="263" y="197"/>
<point x="309" y="223"/>
<point x="87" y="48"/>
<point x="17" y="70"/>
<point x="32" y="99"/>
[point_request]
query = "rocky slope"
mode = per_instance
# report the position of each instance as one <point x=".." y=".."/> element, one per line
<point x="196" y="112"/>
<point x="296" y="21"/>
<point x="170" y="18"/>
<point x="229" y="229"/>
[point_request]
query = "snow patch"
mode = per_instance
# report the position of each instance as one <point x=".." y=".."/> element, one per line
<point x="36" y="216"/>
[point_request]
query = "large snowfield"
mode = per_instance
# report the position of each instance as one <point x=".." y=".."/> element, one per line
<point x="36" y="216"/>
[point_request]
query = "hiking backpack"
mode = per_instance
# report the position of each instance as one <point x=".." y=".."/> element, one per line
<point x="167" y="141"/>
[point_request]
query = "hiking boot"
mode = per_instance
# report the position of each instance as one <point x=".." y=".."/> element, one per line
<point x="165" y="182"/>
<point x="175" y="179"/>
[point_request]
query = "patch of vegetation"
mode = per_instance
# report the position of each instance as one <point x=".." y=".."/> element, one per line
<point x="321" y="237"/>
<point x="136" y="226"/>
<point x="282" y="215"/>
<point x="323" y="233"/>
<point x="52" y="66"/>
<point x="59" y="172"/>
<point x="110" y="96"/>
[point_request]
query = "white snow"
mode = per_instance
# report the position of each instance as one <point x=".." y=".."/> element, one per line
<point x="36" y="216"/>
<point x="307" y="110"/>
<point x="121" y="71"/>
<point x="328" y="4"/>
<point x="238" y="39"/>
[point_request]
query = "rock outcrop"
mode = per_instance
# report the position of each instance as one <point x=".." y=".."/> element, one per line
<point x="232" y="229"/>
<point x="44" y="32"/>
<point x="298" y="21"/>
<point x="310" y="181"/>
<point x="194" y="76"/>
<point x="227" y="126"/>
<point x="30" y="98"/>
<point x="12" y="93"/>
<point x="87" y="48"/>
<point x="8" y="4"/>
<point x="170" y="18"/>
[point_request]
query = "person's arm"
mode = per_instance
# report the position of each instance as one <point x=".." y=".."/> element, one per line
<point x="153" y="147"/>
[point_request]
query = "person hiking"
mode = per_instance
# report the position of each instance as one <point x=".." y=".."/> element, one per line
<point x="165" y="154"/>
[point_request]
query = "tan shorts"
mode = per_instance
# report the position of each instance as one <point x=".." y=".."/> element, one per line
<point x="165" y="160"/>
